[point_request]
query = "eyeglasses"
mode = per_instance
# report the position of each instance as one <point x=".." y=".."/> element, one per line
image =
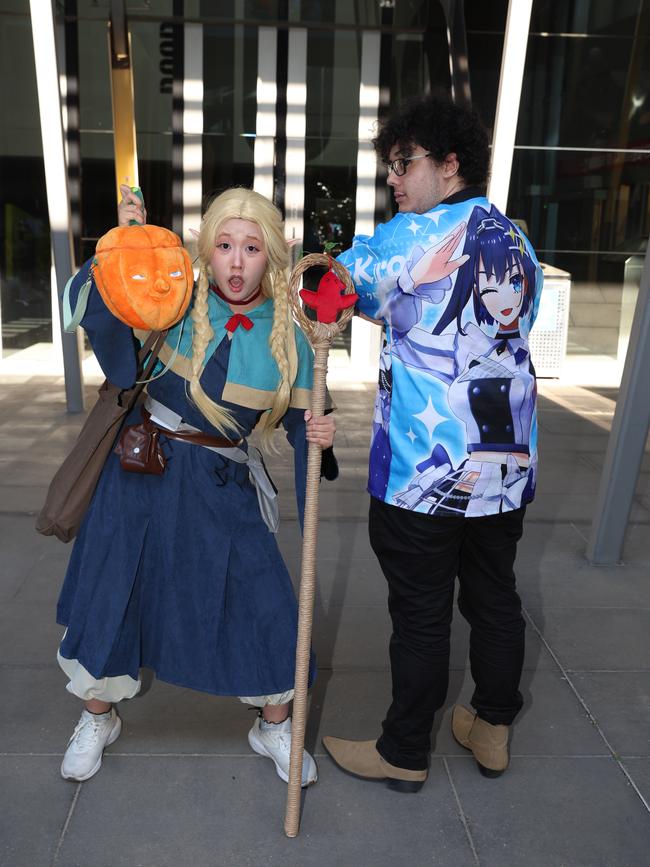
<point x="400" y="166"/>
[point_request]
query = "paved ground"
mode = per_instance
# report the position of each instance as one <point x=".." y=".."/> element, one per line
<point x="181" y="787"/>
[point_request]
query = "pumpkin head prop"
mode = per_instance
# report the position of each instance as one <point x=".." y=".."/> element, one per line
<point x="144" y="275"/>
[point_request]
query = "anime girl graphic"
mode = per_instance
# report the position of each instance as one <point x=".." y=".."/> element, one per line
<point x="478" y="347"/>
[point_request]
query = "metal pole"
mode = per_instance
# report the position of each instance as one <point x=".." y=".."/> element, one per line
<point x="627" y="440"/>
<point x="49" y="106"/>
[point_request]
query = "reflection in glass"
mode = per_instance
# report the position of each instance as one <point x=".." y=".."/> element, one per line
<point x="331" y="147"/>
<point x="581" y="171"/>
<point x="25" y="288"/>
<point x="592" y="92"/>
<point x="575" y="16"/>
<point x="581" y="201"/>
<point x="229" y="106"/>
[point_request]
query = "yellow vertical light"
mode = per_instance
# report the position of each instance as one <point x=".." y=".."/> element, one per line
<point x="126" y="154"/>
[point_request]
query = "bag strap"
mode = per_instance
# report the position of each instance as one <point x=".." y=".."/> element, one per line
<point x="171" y="361"/>
<point x="126" y="397"/>
<point x="151" y="347"/>
<point x="71" y="319"/>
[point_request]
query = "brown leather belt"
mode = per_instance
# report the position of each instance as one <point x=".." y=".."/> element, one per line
<point x="197" y="437"/>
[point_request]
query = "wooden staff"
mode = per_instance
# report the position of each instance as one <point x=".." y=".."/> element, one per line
<point x="321" y="334"/>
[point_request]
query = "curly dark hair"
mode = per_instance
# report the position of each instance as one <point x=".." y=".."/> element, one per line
<point x="441" y="127"/>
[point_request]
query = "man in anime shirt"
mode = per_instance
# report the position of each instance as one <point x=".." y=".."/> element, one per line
<point x="453" y="458"/>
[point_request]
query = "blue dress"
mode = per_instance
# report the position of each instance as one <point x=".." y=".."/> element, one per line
<point x="178" y="572"/>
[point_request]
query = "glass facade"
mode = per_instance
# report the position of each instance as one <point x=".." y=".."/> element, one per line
<point x="25" y="293"/>
<point x="581" y="170"/>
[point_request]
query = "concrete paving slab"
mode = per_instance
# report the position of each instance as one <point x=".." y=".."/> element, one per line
<point x="36" y="470"/>
<point x="26" y="726"/>
<point x="42" y="584"/>
<point x="582" y="442"/>
<point x="571" y="584"/>
<point x="168" y="719"/>
<point x="637" y="544"/>
<point x="343" y="541"/>
<point x="349" y="704"/>
<point x="636" y="548"/>
<point x="352" y="636"/>
<point x="548" y="543"/>
<point x="342" y="581"/>
<point x="591" y="639"/>
<point x="620" y="702"/>
<point x="29" y="634"/>
<point x="639" y="770"/>
<point x="554" y="420"/>
<point x="566" y="474"/>
<point x="34" y="803"/>
<point x="554" y="507"/>
<point x="230" y="811"/>
<point x="21" y="499"/>
<point x="29" y="557"/>
<point x="553" y="813"/>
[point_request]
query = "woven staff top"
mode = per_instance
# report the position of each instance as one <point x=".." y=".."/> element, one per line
<point x="319" y="332"/>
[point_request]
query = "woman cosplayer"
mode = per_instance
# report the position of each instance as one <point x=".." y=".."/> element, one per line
<point x="179" y="572"/>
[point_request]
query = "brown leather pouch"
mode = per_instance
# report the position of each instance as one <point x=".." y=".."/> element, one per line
<point x="140" y="450"/>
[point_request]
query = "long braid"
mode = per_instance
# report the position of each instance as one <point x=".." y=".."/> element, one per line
<point x="202" y="334"/>
<point x="282" y="343"/>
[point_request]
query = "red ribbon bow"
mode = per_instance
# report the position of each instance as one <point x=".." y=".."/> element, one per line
<point x="238" y="319"/>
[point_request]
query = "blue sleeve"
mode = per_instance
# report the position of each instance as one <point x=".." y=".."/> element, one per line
<point x="294" y="424"/>
<point x="112" y="341"/>
<point x="365" y="262"/>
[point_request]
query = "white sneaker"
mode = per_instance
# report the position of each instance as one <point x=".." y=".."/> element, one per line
<point x="83" y="757"/>
<point x="274" y="742"/>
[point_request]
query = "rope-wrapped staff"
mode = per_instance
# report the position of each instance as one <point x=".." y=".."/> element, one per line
<point x="328" y="302"/>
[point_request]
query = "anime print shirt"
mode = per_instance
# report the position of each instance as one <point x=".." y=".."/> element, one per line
<point x="454" y="428"/>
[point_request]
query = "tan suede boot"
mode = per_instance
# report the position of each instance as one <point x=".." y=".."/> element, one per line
<point x="361" y="759"/>
<point x="488" y="743"/>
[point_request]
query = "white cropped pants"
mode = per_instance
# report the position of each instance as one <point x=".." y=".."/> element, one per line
<point x="113" y="689"/>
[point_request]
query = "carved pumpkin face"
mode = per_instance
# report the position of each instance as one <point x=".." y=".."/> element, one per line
<point x="144" y="274"/>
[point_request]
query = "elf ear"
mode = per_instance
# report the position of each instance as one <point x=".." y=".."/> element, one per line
<point x="194" y="233"/>
<point x="291" y="242"/>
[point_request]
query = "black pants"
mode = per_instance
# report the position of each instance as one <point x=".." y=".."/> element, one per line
<point x="420" y="555"/>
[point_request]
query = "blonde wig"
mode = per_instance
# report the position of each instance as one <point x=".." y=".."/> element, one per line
<point x="244" y="204"/>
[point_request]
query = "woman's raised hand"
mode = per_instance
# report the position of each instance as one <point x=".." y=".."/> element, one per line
<point x="130" y="208"/>
<point x="320" y="430"/>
